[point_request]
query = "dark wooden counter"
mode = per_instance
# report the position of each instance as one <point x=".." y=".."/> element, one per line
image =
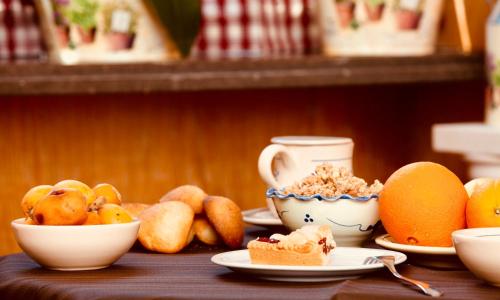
<point x="191" y="275"/>
<point x="189" y="75"/>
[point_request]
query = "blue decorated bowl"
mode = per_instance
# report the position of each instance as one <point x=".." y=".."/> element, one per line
<point x="351" y="219"/>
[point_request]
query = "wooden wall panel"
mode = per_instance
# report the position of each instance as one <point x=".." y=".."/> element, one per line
<point x="148" y="144"/>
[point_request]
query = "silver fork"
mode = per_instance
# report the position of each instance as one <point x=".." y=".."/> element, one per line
<point x="388" y="261"/>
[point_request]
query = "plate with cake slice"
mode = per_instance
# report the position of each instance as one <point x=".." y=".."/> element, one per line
<point x="308" y="254"/>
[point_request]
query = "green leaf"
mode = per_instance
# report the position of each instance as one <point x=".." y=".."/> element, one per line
<point x="83" y="13"/>
<point x="182" y="20"/>
<point x="375" y="2"/>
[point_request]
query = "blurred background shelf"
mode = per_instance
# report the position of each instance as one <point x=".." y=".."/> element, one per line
<point x="194" y="75"/>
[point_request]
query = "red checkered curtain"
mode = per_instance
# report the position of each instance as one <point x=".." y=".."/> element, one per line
<point x="257" y="28"/>
<point x="20" y="36"/>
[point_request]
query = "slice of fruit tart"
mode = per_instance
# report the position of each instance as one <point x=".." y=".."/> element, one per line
<point x="307" y="246"/>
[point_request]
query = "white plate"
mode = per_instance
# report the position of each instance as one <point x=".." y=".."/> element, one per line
<point x="346" y="263"/>
<point x="261" y="216"/>
<point x="388" y="242"/>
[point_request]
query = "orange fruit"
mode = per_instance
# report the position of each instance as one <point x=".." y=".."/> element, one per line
<point x="471" y="185"/>
<point x="483" y="208"/>
<point x="422" y="204"/>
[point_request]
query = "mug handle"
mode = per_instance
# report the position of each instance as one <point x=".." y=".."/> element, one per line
<point x="265" y="163"/>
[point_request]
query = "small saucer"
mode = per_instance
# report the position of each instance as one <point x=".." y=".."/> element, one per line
<point x="261" y="216"/>
<point x="388" y="242"/>
<point x="435" y="257"/>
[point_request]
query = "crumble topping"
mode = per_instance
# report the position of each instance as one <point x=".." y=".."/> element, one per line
<point x="330" y="181"/>
<point x="302" y="240"/>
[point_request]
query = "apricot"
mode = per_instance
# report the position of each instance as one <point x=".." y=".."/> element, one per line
<point x="92" y="218"/>
<point x="108" y="192"/>
<point x="111" y="213"/>
<point x="189" y="194"/>
<point x="87" y="192"/>
<point x="62" y="206"/>
<point x="32" y="197"/>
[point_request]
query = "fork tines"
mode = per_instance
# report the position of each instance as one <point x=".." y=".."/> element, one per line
<point x="370" y="260"/>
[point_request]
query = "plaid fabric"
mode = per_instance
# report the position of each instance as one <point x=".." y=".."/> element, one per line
<point x="20" y="37"/>
<point x="256" y="28"/>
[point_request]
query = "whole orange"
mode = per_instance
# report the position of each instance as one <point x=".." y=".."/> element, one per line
<point x="483" y="208"/>
<point x="422" y="204"/>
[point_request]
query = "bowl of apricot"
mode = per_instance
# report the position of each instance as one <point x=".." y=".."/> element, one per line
<point x="70" y="226"/>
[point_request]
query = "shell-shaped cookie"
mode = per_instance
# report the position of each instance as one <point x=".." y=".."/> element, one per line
<point x="205" y="232"/>
<point x="165" y="227"/>
<point x="189" y="194"/>
<point x="225" y="216"/>
<point x="135" y="208"/>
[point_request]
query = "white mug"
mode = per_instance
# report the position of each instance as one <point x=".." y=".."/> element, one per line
<point x="291" y="158"/>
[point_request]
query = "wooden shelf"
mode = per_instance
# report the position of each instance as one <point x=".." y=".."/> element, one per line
<point x="190" y="75"/>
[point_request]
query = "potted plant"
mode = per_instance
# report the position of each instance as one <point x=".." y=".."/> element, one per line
<point x="345" y="11"/>
<point x="408" y="14"/>
<point x="182" y="20"/>
<point x="374" y="9"/>
<point x="120" y="25"/>
<point x="60" y="22"/>
<point x="82" y="13"/>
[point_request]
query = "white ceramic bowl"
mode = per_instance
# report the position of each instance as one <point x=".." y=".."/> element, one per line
<point x="479" y="250"/>
<point x="72" y="248"/>
<point x="351" y="218"/>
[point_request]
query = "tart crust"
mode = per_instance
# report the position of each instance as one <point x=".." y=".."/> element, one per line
<point x="308" y="246"/>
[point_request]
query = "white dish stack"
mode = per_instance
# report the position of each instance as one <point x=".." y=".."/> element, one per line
<point x="479" y="142"/>
<point x="493" y="67"/>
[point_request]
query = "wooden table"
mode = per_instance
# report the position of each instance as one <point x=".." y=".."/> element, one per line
<point x="191" y="275"/>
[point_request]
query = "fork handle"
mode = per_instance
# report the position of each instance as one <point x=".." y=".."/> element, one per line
<point x="424" y="286"/>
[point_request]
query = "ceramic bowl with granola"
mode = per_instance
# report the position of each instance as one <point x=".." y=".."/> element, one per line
<point x="330" y="196"/>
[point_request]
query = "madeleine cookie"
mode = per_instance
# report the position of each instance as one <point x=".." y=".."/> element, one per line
<point x="190" y="235"/>
<point x="226" y="218"/>
<point x="189" y="194"/>
<point x="135" y="208"/>
<point x="205" y="232"/>
<point x="165" y="226"/>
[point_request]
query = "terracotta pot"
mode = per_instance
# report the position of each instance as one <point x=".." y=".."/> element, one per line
<point x="408" y="19"/>
<point x="86" y="35"/>
<point x="345" y="12"/>
<point x="374" y="12"/>
<point x="62" y="35"/>
<point x="120" y="40"/>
